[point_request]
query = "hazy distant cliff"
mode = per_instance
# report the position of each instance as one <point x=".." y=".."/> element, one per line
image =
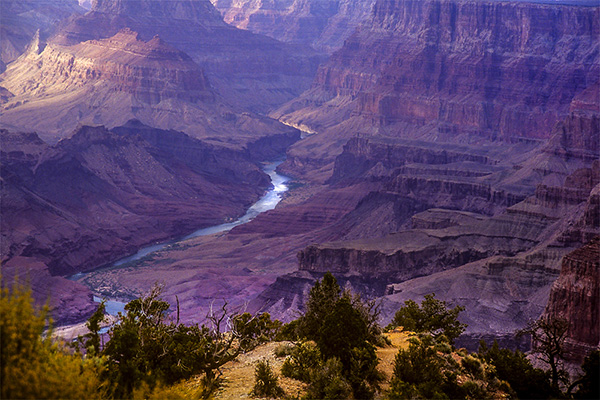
<point x="323" y="24"/>
<point x="20" y="19"/>
<point x="234" y="59"/>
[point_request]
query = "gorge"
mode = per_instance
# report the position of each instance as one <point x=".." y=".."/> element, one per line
<point x="450" y="146"/>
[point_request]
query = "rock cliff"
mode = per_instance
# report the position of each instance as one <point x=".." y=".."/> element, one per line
<point x="324" y="25"/>
<point x="575" y="296"/>
<point x="452" y="71"/>
<point x="54" y="88"/>
<point x="500" y="268"/>
<point x="252" y="71"/>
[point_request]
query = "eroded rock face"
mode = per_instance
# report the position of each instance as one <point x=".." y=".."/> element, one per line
<point x="235" y="60"/>
<point x="152" y="71"/>
<point x="20" y="19"/>
<point x="53" y="88"/>
<point x="322" y="24"/>
<point x="575" y="296"/>
<point x="500" y="268"/>
<point x="444" y="70"/>
<point x="194" y="10"/>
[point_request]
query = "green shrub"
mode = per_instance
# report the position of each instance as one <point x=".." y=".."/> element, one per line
<point x="304" y="357"/>
<point x="265" y="382"/>
<point x="255" y="330"/>
<point x="344" y="327"/>
<point x="513" y="367"/>
<point x="472" y="366"/>
<point x="589" y="384"/>
<point x="288" y="331"/>
<point x="328" y="382"/>
<point x="433" y="316"/>
<point x="283" y="350"/>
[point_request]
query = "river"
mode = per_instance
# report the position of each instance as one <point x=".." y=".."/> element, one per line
<point x="268" y="202"/>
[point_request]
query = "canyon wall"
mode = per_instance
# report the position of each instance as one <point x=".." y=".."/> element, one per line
<point x="575" y="296"/>
<point x="99" y="195"/>
<point x="252" y="71"/>
<point x="51" y="89"/>
<point x="452" y="71"/>
<point x="322" y="24"/>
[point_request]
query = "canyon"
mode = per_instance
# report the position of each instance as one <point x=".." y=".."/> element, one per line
<point x="125" y="60"/>
<point x="447" y="71"/>
<point x="73" y="206"/>
<point x="448" y="147"/>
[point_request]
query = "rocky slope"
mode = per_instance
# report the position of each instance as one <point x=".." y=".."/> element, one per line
<point x="20" y="19"/>
<point x="324" y="25"/>
<point x="448" y="71"/>
<point x="54" y="88"/>
<point x="498" y="256"/>
<point x="101" y="194"/>
<point x="500" y="268"/>
<point x="575" y="296"/>
<point x="250" y="70"/>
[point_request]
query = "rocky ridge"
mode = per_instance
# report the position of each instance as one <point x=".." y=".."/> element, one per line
<point x="54" y="88"/>
<point x="575" y="296"/>
<point x="500" y="268"/>
<point x="479" y="226"/>
<point x="251" y="71"/>
<point x="20" y="19"/>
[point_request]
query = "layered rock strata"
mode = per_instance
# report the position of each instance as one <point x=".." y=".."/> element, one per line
<point x="252" y="71"/>
<point x="54" y="88"/>
<point x="444" y="70"/>
<point x="324" y="25"/>
<point x="500" y="268"/>
<point x="20" y="19"/>
<point x="575" y="296"/>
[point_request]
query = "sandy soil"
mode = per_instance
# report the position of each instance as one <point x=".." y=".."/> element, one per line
<point x="239" y="374"/>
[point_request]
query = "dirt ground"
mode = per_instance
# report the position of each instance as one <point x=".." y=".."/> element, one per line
<point x="239" y="374"/>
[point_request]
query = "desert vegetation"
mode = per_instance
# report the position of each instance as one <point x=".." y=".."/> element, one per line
<point x="332" y="349"/>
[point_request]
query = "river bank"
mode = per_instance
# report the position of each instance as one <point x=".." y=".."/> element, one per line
<point x="116" y="299"/>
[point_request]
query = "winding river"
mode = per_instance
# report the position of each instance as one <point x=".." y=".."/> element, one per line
<point x="268" y="202"/>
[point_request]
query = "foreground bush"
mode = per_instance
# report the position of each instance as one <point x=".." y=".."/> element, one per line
<point x="344" y="329"/>
<point x="33" y="367"/>
<point x="266" y="382"/>
<point x="433" y="317"/>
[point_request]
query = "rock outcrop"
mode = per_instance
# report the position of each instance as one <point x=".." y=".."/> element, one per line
<point x="322" y="24"/>
<point x="500" y="268"/>
<point x="249" y="70"/>
<point x="575" y="296"/>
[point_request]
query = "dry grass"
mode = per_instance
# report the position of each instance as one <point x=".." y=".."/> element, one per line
<point x="387" y="355"/>
<point x="239" y="374"/>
